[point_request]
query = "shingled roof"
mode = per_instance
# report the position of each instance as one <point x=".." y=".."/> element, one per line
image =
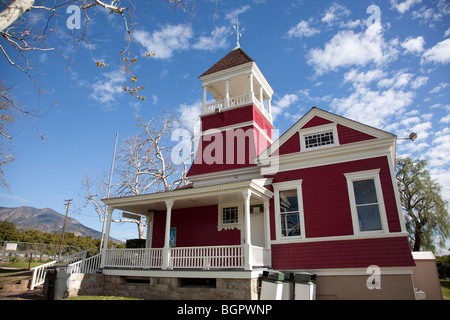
<point x="234" y="58"/>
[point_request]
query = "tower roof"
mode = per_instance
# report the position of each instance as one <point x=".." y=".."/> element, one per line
<point x="234" y="58"/>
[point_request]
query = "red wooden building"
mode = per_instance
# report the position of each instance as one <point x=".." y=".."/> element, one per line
<point x="322" y="198"/>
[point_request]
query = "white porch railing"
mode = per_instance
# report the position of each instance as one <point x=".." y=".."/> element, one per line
<point x="222" y="257"/>
<point x="39" y="272"/>
<point x="89" y="265"/>
<point x="133" y="258"/>
<point x="211" y="257"/>
<point x="235" y="102"/>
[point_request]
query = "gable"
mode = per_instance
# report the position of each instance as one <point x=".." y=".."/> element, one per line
<point x="319" y="129"/>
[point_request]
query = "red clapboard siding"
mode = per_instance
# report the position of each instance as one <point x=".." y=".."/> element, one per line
<point x="325" y="196"/>
<point x="316" y="121"/>
<point x="348" y="135"/>
<point x="292" y="145"/>
<point x="361" y="253"/>
<point x="220" y="150"/>
<point x="195" y="227"/>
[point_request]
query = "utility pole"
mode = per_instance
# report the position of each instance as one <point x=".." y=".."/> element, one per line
<point x="64" y="228"/>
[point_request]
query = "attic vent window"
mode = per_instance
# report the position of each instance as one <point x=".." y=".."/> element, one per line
<point x="319" y="139"/>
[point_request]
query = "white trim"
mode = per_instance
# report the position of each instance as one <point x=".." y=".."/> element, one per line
<point x="237" y="126"/>
<point x="355" y="271"/>
<point x="227" y="176"/>
<point x="255" y="185"/>
<point x="398" y="202"/>
<point x="377" y="133"/>
<point x="342" y="238"/>
<point x="362" y="175"/>
<point x="280" y="186"/>
<point x="314" y="158"/>
<point x="330" y="127"/>
<point x="219" y="274"/>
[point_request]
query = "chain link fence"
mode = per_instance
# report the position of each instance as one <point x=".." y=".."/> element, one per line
<point x="24" y="251"/>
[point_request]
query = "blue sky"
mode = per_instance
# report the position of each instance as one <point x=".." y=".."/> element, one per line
<point x="393" y="74"/>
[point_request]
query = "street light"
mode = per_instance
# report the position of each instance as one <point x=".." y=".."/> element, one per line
<point x="412" y="137"/>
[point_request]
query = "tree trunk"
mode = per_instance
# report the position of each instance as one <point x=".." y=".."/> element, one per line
<point x="141" y="230"/>
<point x="417" y="240"/>
<point x="14" y="11"/>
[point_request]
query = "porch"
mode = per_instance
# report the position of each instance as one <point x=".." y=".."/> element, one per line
<point x="187" y="210"/>
<point x="188" y="258"/>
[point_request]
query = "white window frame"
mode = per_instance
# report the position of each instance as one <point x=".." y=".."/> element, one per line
<point x="318" y="130"/>
<point x="229" y="226"/>
<point x="288" y="185"/>
<point x="365" y="175"/>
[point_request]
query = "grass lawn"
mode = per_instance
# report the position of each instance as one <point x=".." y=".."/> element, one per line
<point x="445" y="287"/>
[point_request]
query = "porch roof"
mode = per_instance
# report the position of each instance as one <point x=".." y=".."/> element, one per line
<point x="191" y="197"/>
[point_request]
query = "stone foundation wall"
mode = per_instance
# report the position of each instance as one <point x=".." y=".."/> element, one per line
<point x="153" y="288"/>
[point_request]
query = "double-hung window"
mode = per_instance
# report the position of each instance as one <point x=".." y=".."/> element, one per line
<point x="289" y="210"/>
<point x="366" y="202"/>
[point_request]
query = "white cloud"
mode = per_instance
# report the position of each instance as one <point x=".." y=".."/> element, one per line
<point x="107" y="89"/>
<point x="348" y="49"/>
<point x="217" y="40"/>
<point x="404" y="6"/>
<point x="419" y="81"/>
<point x="439" y="153"/>
<point x="439" y="53"/>
<point x="231" y="16"/>
<point x="414" y="45"/>
<point x="334" y="13"/>
<point x="439" y="87"/>
<point x="399" y="80"/>
<point x="165" y="41"/>
<point x="357" y="77"/>
<point x="190" y="115"/>
<point x="445" y="119"/>
<point x="279" y="106"/>
<point x="302" y="29"/>
<point x="375" y="108"/>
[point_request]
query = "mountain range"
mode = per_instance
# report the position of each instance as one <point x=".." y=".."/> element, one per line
<point x="45" y="220"/>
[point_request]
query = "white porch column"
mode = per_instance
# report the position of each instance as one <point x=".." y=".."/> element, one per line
<point x="269" y="106"/>
<point x="109" y="212"/>
<point x="267" y="223"/>
<point x="250" y="77"/>
<point x="261" y="97"/>
<point x="166" y="249"/>
<point x="247" y="231"/>
<point x="227" y="93"/>
<point x="149" y="235"/>
<point x="205" y="91"/>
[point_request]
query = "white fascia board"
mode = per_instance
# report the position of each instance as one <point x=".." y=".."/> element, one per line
<point x="343" y="153"/>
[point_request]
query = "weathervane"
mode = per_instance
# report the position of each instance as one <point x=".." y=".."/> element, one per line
<point x="238" y="33"/>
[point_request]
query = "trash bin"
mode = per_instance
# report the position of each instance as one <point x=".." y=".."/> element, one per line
<point x="276" y="285"/>
<point x="56" y="283"/>
<point x="305" y="286"/>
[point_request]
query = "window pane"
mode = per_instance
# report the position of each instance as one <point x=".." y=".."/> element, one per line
<point x="290" y="224"/>
<point x="365" y="191"/>
<point x="369" y="217"/>
<point x="230" y="215"/>
<point x="288" y="200"/>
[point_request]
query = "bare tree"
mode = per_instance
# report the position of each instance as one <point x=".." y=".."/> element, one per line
<point x="145" y="164"/>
